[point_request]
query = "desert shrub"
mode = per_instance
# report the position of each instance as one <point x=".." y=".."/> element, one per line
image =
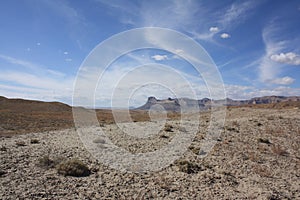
<point x="20" y="143"/>
<point x="168" y="128"/>
<point x="187" y="166"/>
<point x="73" y="167"/>
<point x="232" y="129"/>
<point x="259" y="124"/>
<point x="34" y="141"/>
<point x="2" y="172"/>
<point x="264" y="140"/>
<point x="3" y="148"/>
<point x="194" y="149"/>
<point x="47" y="162"/>
<point x="270" y="117"/>
<point x="164" y="136"/>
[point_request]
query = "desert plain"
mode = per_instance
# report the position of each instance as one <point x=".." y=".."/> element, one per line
<point x="257" y="156"/>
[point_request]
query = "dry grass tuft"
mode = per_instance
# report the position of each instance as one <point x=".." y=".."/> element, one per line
<point x="34" y="141"/>
<point x="168" y="128"/>
<point x="20" y="143"/>
<point x="46" y="162"/>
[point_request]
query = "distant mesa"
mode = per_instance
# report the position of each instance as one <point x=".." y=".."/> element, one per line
<point x="176" y="104"/>
<point x="168" y="104"/>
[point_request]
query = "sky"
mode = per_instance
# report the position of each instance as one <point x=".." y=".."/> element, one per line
<point x="44" y="45"/>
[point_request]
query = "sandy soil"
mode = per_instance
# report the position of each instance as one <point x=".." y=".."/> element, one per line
<point x="256" y="157"/>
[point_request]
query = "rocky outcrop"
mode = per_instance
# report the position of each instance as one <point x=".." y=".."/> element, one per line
<point x="204" y="104"/>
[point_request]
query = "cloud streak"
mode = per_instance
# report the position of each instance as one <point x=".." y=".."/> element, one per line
<point x="35" y="81"/>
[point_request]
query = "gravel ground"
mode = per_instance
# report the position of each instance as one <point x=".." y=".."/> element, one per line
<point x="256" y="157"/>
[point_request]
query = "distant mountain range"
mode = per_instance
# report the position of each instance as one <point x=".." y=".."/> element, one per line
<point x="206" y="103"/>
<point x="170" y="104"/>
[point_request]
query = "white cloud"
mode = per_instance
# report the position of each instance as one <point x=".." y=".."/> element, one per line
<point x="159" y="57"/>
<point x="287" y="58"/>
<point x="225" y="35"/>
<point x="38" y="44"/>
<point x="282" y="81"/>
<point x="68" y="59"/>
<point x="213" y="29"/>
<point x="66" y="53"/>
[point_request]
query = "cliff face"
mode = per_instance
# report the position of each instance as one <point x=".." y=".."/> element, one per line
<point x="205" y="103"/>
<point x="168" y="104"/>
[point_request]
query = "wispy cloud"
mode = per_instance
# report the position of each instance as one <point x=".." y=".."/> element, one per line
<point x="65" y="10"/>
<point x="237" y="13"/>
<point x="35" y="81"/>
<point x="35" y="68"/>
<point x="19" y="62"/>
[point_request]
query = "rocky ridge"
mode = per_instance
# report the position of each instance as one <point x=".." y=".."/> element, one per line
<point x="175" y="104"/>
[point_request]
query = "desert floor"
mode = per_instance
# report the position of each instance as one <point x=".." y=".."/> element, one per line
<point x="257" y="156"/>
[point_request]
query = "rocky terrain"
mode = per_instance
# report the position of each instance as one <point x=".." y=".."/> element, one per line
<point x="257" y="156"/>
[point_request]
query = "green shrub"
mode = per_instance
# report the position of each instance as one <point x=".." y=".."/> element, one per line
<point x="73" y="167"/>
<point x="188" y="167"/>
<point x="264" y="140"/>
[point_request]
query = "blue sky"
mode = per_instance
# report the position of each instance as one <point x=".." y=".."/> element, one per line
<point x="254" y="44"/>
